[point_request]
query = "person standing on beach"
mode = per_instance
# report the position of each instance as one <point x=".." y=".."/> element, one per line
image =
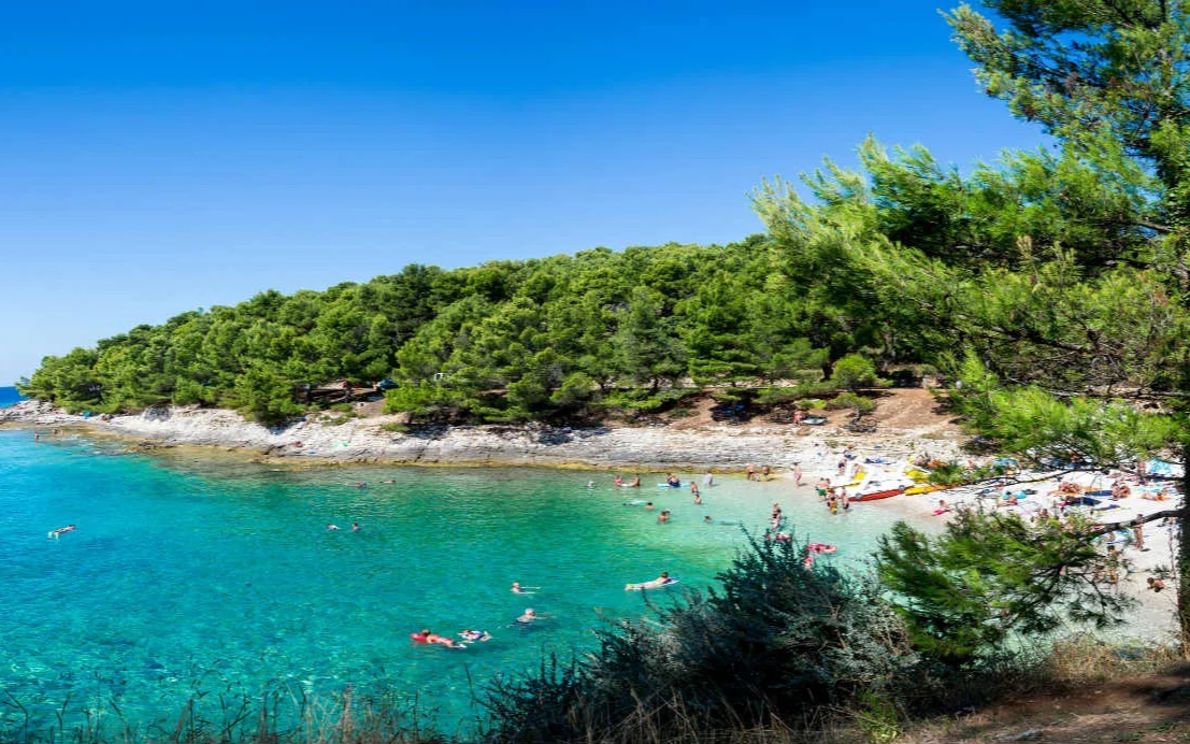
<point x="1138" y="535"/>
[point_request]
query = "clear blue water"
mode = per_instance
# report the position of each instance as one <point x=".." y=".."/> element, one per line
<point x="191" y="575"/>
<point x="8" y="396"/>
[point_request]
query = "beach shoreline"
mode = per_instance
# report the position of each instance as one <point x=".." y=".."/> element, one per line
<point x="716" y="448"/>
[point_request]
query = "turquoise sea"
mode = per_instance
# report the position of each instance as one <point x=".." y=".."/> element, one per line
<point x="197" y="578"/>
<point x="8" y="396"/>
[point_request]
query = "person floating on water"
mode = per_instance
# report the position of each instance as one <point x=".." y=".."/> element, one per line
<point x="663" y="517"/>
<point x="62" y="531"/>
<point x="707" y="520"/>
<point x="518" y="589"/>
<point x="528" y="616"/>
<point x="590" y="484"/>
<point x="475" y="635"/>
<point x="428" y="638"/>
<point x="330" y="527"/>
<point x="355" y="527"/>
<point x="662" y="580"/>
<point x="649" y="506"/>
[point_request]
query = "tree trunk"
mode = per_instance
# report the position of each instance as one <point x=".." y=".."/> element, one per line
<point x="1182" y="562"/>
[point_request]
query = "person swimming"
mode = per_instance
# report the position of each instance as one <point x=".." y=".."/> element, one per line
<point x="428" y="638"/>
<point x="618" y="482"/>
<point x="708" y="520"/>
<point x="672" y="481"/>
<point x="663" y="517"/>
<point x="635" y="482"/>
<point x="62" y="531"/>
<point x="528" y="616"/>
<point x="355" y="527"/>
<point x="590" y="484"/>
<point x="331" y="527"/>
<point x="518" y="589"/>
<point x="475" y="635"/>
<point x="649" y="506"/>
<point x="663" y="580"/>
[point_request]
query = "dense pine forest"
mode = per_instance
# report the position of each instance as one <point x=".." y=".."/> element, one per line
<point x="503" y="341"/>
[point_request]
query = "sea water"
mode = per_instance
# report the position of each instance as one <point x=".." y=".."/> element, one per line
<point x="194" y="578"/>
<point x="8" y="396"/>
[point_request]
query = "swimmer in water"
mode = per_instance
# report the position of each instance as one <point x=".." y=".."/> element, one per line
<point x="528" y="616"/>
<point x="475" y="635"/>
<point x="707" y="520"/>
<point x="635" y="482"/>
<point x="330" y="527"/>
<point x="618" y="482"/>
<point x="355" y="527"/>
<point x="663" y="517"/>
<point x="649" y="506"/>
<point x="518" y="589"/>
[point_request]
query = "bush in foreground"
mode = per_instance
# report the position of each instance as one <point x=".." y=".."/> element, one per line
<point x="776" y="644"/>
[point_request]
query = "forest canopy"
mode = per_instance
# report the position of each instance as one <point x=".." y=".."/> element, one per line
<point x="508" y="340"/>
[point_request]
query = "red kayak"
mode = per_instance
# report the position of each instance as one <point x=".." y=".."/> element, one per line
<point x="877" y="495"/>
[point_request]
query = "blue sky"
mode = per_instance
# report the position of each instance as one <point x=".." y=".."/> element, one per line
<point x="160" y="158"/>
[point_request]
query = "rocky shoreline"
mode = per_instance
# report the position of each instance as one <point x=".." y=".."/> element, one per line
<point x="380" y="439"/>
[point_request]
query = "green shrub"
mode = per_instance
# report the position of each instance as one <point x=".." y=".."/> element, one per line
<point x="776" y="641"/>
<point x="854" y="401"/>
<point x="853" y="372"/>
<point x="394" y="428"/>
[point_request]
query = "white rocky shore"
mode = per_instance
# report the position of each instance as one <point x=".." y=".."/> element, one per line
<point x="356" y="440"/>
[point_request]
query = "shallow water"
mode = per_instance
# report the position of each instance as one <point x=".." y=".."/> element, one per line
<point x="191" y="575"/>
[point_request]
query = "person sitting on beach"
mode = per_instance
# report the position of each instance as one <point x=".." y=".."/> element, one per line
<point x="842" y="466"/>
<point x="635" y="482"/>
<point x="663" y="517"/>
<point x="330" y="527"/>
<point x="1008" y="499"/>
<point x="943" y="507"/>
<point x="528" y="616"/>
<point x="1156" y="585"/>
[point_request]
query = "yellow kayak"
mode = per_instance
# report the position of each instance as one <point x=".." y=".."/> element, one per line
<point x="917" y="474"/>
<point x="923" y="488"/>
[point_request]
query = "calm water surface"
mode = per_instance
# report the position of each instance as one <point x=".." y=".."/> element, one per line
<point x="190" y="576"/>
